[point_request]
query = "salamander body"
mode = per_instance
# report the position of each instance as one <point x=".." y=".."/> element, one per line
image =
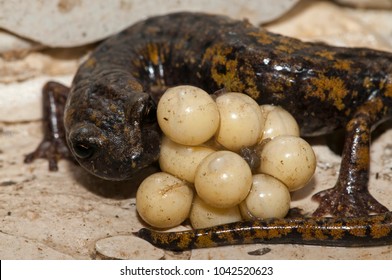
<point x="321" y="86"/>
<point x="111" y="129"/>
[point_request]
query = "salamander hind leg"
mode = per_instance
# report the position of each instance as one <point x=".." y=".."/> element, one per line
<point x="53" y="146"/>
<point x="350" y="196"/>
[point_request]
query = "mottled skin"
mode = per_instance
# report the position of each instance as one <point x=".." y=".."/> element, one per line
<point x="112" y="131"/>
<point x="339" y="232"/>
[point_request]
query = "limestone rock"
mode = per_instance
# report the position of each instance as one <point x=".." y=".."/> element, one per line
<point x="65" y="23"/>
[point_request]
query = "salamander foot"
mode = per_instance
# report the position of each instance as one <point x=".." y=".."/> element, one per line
<point x="342" y="203"/>
<point x="53" y="151"/>
<point x="53" y="147"/>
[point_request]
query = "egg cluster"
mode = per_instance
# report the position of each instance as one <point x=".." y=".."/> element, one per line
<point x="204" y="177"/>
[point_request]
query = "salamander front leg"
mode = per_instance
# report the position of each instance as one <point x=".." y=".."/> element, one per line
<point x="350" y="196"/>
<point x="53" y="147"/>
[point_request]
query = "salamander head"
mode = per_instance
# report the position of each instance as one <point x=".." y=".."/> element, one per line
<point x="113" y="136"/>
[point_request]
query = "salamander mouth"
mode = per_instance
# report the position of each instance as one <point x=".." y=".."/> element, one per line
<point x="117" y="170"/>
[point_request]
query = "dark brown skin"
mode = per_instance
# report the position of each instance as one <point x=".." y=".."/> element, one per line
<point x="112" y="131"/>
<point x="53" y="147"/>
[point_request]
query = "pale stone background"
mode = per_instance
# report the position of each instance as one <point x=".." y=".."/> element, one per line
<point x="69" y="214"/>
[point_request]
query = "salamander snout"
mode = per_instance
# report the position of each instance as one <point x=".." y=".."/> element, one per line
<point x="113" y="156"/>
<point x="94" y="151"/>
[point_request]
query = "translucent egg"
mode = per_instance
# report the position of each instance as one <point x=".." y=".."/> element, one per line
<point x="180" y="160"/>
<point x="278" y="122"/>
<point x="268" y="198"/>
<point x="187" y="115"/>
<point x="289" y="159"/>
<point x="203" y="215"/>
<point x="223" y="179"/>
<point x="240" y="121"/>
<point x="163" y="201"/>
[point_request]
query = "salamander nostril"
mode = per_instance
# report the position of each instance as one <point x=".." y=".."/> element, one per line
<point x="83" y="151"/>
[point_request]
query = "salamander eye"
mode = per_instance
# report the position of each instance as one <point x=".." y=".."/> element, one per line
<point x="83" y="151"/>
<point x="84" y="140"/>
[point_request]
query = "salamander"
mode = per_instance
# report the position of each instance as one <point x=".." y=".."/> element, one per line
<point x="111" y="128"/>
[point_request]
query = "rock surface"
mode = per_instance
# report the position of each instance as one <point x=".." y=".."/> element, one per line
<point x="78" y="22"/>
